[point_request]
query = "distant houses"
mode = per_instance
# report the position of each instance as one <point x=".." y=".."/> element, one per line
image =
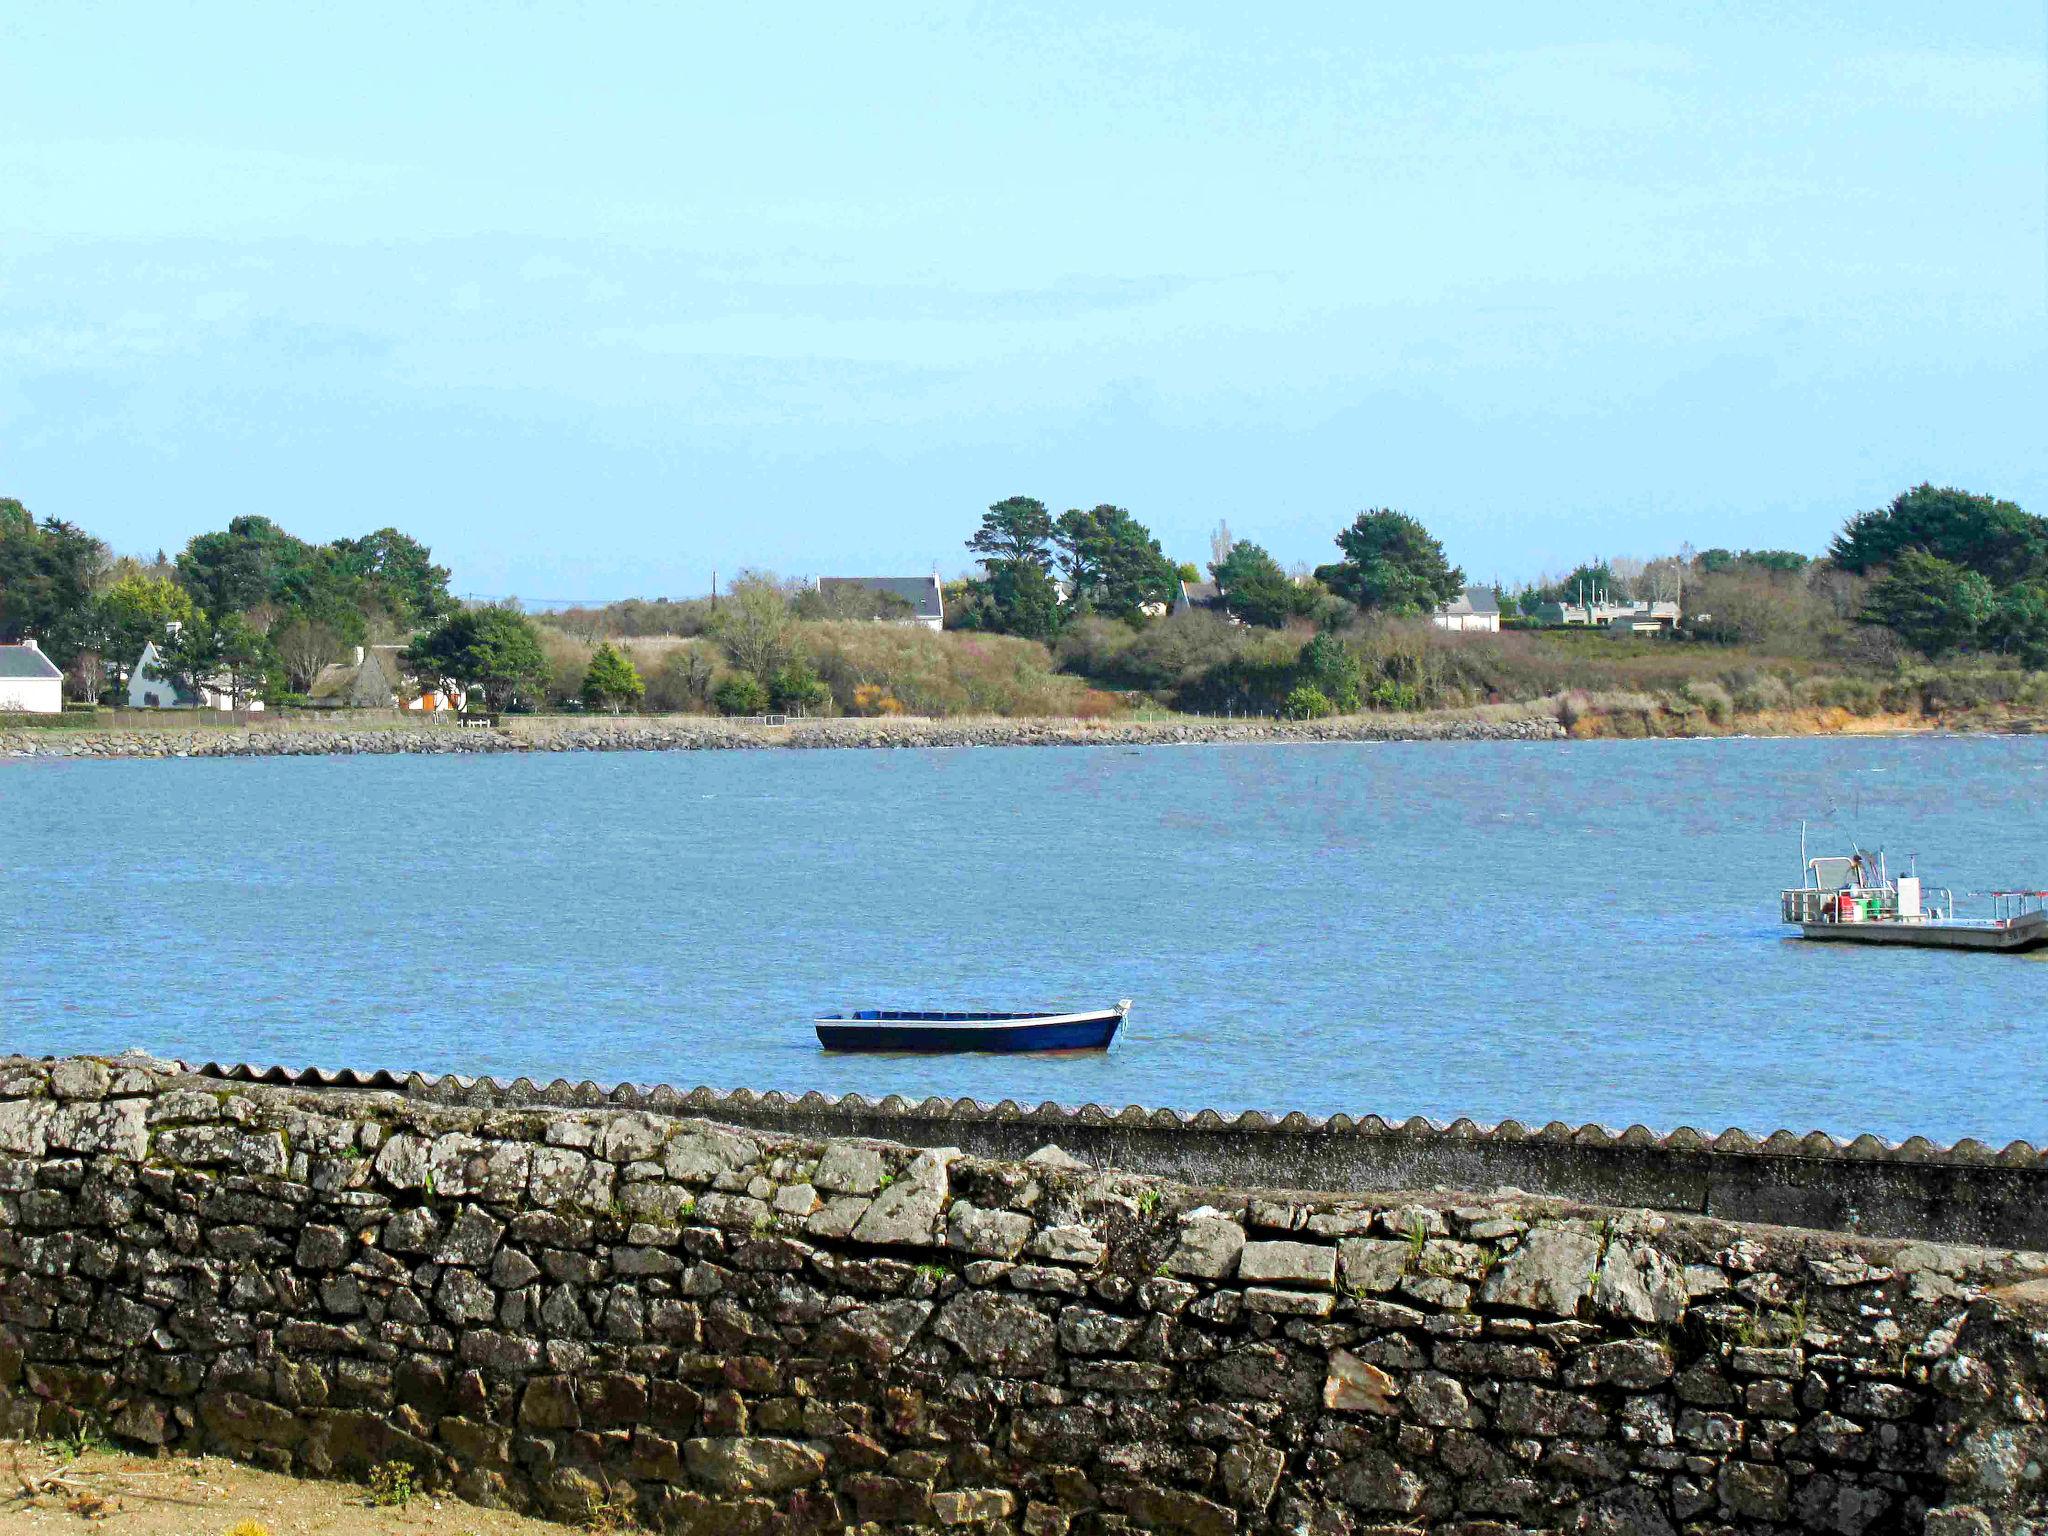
<point x="927" y="602"/>
<point x="374" y="677"/>
<point x="149" y="688"/>
<point x="1475" y="608"/>
<point x="30" y="683"/>
<point x="1637" y="618"/>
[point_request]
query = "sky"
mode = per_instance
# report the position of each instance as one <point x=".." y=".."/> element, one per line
<point x="599" y="299"/>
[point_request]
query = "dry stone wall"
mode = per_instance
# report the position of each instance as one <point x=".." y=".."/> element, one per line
<point x="702" y="1327"/>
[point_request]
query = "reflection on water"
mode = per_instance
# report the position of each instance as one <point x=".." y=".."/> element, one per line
<point x="1578" y="932"/>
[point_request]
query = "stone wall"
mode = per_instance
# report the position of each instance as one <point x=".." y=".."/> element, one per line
<point x="1967" y="1193"/>
<point x="717" y="1329"/>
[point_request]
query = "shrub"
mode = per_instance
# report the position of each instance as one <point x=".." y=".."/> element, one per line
<point x="1754" y="693"/>
<point x="684" y="680"/>
<point x="1710" y="698"/>
<point x="1308" y="702"/>
<point x="741" y="694"/>
<point x="957" y="672"/>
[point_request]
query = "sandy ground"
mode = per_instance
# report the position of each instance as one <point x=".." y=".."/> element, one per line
<point x="126" y="1495"/>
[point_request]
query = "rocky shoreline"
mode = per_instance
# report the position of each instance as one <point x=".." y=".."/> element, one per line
<point x="557" y="734"/>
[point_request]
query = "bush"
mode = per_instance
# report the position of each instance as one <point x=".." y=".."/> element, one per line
<point x="741" y="694"/>
<point x="1308" y="702"/>
<point x="1710" y="698"/>
<point x="1754" y="693"/>
<point x="956" y="672"/>
<point x="684" y="681"/>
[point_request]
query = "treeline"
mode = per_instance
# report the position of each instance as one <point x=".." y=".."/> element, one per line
<point x="1074" y="613"/>
<point x="250" y="609"/>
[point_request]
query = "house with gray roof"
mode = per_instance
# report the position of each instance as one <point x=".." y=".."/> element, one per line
<point x="30" y="683"/>
<point x="150" y="687"/>
<point x="927" y="602"/>
<point x="1198" y="594"/>
<point x="1475" y="608"/>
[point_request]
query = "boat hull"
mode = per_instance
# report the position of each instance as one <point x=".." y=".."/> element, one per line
<point x="1064" y="1032"/>
<point x="2013" y="938"/>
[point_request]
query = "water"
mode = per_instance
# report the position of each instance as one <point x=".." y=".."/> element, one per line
<point x="1578" y="932"/>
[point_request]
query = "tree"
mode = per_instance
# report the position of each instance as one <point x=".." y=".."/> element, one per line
<point x="849" y="600"/>
<point x="796" y="686"/>
<point x="136" y="610"/>
<point x="401" y="571"/>
<point x="683" y="681"/>
<point x="741" y="694"/>
<point x="1256" y="589"/>
<point x="1328" y="666"/>
<point x="1017" y="596"/>
<point x="611" y="681"/>
<point x="202" y="657"/>
<point x="1114" y="564"/>
<point x="47" y="572"/>
<point x="1932" y="604"/>
<point x="1979" y="533"/>
<point x="2018" y="625"/>
<point x="1391" y="563"/>
<point x="304" y="646"/>
<point x="496" y="649"/>
<point x="1017" y="528"/>
<point x="754" y="625"/>
<point x="1020" y="598"/>
<point x="1307" y="702"/>
<point x="238" y="568"/>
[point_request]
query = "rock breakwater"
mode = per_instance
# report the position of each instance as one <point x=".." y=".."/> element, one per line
<point x="691" y="734"/>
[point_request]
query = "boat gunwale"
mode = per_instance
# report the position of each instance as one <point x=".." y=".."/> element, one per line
<point x="918" y="1019"/>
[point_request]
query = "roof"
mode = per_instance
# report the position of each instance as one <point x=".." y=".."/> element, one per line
<point x="1200" y="594"/>
<point x="338" y="678"/>
<point x="921" y="592"/>
<point x="25" y="660"/>
<point x="1471" y="600"/>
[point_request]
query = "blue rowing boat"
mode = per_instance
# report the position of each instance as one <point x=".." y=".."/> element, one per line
<point x="911" y="1029"/>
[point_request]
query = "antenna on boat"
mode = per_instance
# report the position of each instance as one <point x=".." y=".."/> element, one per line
<point x="1802" y="852"/>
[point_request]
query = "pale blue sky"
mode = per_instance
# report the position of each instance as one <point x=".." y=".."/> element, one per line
<point x="596" y="299"/>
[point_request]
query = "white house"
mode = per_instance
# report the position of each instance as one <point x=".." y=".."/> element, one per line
<point x="1474" y="608"/>
<point x="927" y="602"/>
<point x="30" y="683"/>
<point x="148" y="688"/>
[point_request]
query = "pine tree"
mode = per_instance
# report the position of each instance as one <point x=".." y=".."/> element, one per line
<point x="611" y="681"/>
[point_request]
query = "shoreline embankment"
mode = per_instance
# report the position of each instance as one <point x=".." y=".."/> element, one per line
<point x="383" y="736"/>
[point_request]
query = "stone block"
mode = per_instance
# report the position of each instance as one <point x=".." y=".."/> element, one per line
<point x="850" y="1168"/>
<point x="987" y="1234"/>
<point x="1354" y="1386"/>
<point x="1288" y="1263"/>
<point x="1208" y="1248"/>
<point x="743" y="1465"/>
<point x="1004" y="1335"/>
<point x="1551" y="1271"/>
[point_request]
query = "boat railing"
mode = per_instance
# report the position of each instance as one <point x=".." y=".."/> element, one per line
<point x="2009" y="906"/>
<point x="1864" y="904"/>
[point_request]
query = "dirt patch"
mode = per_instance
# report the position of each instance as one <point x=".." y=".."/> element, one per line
<point x="125" y="1495"/>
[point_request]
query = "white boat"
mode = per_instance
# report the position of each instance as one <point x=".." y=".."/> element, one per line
<point x="1855" y="900"/>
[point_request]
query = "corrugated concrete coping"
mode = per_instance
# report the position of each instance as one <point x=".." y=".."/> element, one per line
<point x="1968" y="1192"/>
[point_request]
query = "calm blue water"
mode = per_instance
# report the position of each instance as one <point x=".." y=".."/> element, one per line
<point x="1585" y="932"/>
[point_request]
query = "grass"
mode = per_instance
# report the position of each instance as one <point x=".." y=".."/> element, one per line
<point x="392" y="1486"/>
<point x="87" y="1437"/>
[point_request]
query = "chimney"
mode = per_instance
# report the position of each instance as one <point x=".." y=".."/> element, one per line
<point x="358" y="657"/>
